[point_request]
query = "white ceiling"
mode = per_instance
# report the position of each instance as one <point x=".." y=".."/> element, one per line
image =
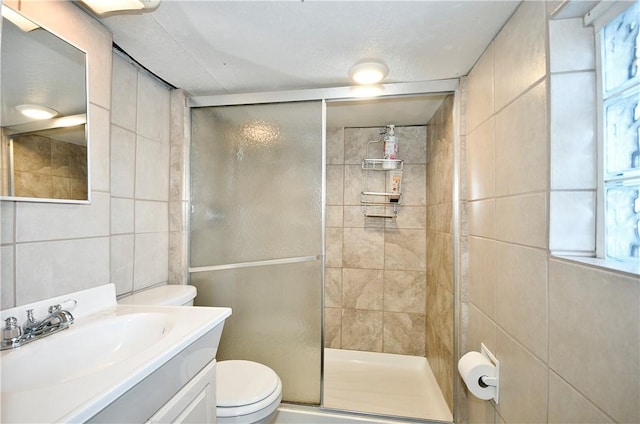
<point x="221" y="47"/>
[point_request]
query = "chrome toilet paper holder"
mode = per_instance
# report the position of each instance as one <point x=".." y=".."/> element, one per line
<point x="491" y="380"/>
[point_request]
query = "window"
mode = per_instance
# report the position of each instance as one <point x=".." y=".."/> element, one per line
<point x="620" y="111"/>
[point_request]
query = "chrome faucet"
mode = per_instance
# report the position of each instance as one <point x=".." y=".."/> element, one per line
<point x="33" y="329"/>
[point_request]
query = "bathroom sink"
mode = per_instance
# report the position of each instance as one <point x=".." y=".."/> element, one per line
<point x="81" y="350"/>
<point x="109" y="352"/>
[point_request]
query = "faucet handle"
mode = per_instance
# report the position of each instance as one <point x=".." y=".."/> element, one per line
<point x="55" y="308"/>
<point x="11" y="331"/>
<point x="30" y="318"/>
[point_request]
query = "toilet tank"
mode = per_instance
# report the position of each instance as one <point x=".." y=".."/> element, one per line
<point x="169" y="295"/>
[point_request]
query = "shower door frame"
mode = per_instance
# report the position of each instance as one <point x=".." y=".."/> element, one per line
<point x="352" y="93"/>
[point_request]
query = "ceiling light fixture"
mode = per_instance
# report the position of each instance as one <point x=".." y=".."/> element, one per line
<point x="18" y="20"/>
<point x="36" y="111"/>
<point x="368" y="72"/>
<point x="107" y="6"/>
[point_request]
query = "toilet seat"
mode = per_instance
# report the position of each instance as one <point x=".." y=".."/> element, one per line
<point x="245" y="387"/>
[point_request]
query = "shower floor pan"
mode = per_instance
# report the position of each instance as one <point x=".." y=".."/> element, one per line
<point x="382" y="383"/>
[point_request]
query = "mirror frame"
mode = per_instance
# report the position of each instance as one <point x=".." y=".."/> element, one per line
<point x="7" y="134"/>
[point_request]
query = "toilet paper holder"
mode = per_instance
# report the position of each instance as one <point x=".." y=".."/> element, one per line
<point x="483" y="381"/>
<point x="493" y="380"/>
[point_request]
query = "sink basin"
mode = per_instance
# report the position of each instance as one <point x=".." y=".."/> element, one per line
<point x="81" y="350"/>
<point x="110" y="360"/>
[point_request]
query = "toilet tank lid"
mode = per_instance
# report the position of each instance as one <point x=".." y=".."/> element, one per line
<point x="171" y="294"/>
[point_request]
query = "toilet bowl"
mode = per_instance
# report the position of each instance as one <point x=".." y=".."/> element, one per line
<point x="246" y="392"/>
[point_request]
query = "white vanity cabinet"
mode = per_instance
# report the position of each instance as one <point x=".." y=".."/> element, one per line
<point x="194" y="403"/>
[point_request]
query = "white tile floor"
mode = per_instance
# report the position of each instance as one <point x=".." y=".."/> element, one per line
<point x="382" y="383"/>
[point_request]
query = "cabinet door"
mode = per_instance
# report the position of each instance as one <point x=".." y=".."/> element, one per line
<point x="194" y="403"/>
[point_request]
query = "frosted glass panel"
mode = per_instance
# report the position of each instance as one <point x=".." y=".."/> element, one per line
<point x="256" y="190"/>
<point x="256" y="176"/>
<point x="623" y="221"/>
<point x="276" y="321"/>
<point x="620" y="43"/>
<point x="623" y="133"/>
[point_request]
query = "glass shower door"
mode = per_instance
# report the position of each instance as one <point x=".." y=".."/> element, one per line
<point x="256" y="234"/>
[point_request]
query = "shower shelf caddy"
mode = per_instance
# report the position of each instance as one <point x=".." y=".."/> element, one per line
<point x="378" y="199"/>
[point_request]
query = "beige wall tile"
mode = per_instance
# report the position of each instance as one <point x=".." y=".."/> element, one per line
<point x="413" y="185"/>
<point x="405" y="291"/>
<point x="522" y="162"/>
<point x="333" y="216"/>
<point x="594" y="336"/>
<point x="335" y="146"/>
<point x="523" y="383"/>
<point x="481" y="162"/>
<point x="362" y="289"/>
<point x="333" y="247"/>
<point x="363" y="248"/>
<point x="332" y="327"/>
<point x="408" y="217"/>
<point x="356" y="143"/>
<point x="412" y="144"/>
<point x="566" y="405"/>
<point x="333" y="287"/>
<point x="521" y="295"/>
<point x="404" y="333"/>
<point x="479" y="90"/>
<point x="482" y="275"/>
<point x="511" y="225"/>
<point x="482" y="329"/>
<point x="335" y="181"/>
<point x="362" y="330"/>
<point x="354" y="218"/>
<point x="405" y="249"/>
<point x="482" y="218"/>
<point x="520" y="52"/>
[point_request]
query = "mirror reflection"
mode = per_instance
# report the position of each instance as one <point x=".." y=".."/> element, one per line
<point x="44" y="114"/>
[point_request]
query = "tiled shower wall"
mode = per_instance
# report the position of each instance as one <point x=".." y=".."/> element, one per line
<point x="440" y="292"/>
<point x="376" y="271"/>
<point x="49" y="168"/>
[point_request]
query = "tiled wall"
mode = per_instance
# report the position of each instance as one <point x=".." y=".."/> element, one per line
<point x="440" y="291"/>
<point x="140" y="157"/>
<point x="567" y="335"/>
<point x="49" y="168"/>
<point x="122" y="236"/>
<point x="375" y="282"/>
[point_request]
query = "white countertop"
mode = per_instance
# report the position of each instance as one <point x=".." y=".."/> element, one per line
<point x="83" y="395"/>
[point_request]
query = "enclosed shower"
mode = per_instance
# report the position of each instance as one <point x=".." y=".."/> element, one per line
<point x="320" y="291"/>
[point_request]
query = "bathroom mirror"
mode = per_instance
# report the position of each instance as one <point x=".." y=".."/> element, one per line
<point x="44" y="151"/>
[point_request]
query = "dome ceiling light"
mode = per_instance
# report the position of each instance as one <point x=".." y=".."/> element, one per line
<point x="36" y="111"/>
<point x="367" y="73"/>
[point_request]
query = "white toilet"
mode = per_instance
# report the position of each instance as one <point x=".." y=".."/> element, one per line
<point x="246" y="392"/>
